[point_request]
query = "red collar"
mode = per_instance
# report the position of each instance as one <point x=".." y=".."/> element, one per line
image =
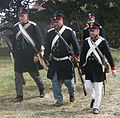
<point x="61" y="26"/>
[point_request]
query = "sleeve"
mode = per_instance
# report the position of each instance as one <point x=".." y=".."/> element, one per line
<point x="108" y="54"/>
<point x="75" y="44"/>
<point x="83" y="53"/>
<point x="47" y="47"/>
<point x="38" y="37"/>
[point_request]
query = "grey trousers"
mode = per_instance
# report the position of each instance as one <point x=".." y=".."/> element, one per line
<point x="19" y="82"/>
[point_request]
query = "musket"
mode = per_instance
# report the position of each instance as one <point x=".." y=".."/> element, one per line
<point x="10" y="50"/>
<point x="104" y="82"/>
<point x="41" y="57"/>
<point x="80" y="74"/>
<point x="82" y="80"/>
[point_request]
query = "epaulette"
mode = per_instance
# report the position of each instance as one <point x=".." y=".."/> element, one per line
<point x="16" y="24"/>
<point x="87" y="38"/>
<point x="31" y="22"/>
<point x="101" y="38"/>
<point x="50" y="30"/>
<point x="86" y="27"/>
<point x="68" y="28"/>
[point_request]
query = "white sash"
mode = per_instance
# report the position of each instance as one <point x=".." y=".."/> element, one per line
<point x="27" y="36"/>
<point x="93" y="50"/>
<point x="25" y="27"/>
<point x="56" y="37"/>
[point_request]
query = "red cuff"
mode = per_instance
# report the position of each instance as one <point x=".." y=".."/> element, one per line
<point x="76" y="56"/>
<point x="35" y="55"/>
<point x="46" y="59"/>
<point x="113" y="68"/>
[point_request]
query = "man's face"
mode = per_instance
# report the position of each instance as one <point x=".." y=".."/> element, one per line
<point x="91" y="20"/>
<point x="23" y="18"/>
<point x="94" y="33"/>
<point x="58" y="24"/>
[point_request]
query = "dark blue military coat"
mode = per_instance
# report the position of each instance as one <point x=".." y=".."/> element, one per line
<point x="93" y="69"/>
<point x="22" y="49"/>
<point x="63" y="68"/>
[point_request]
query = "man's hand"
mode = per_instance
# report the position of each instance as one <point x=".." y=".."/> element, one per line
<point x="36" y="59"/>
<point x="46" y="62"/>
<point x="77" y="58"/>
<point x="114" y="73"/>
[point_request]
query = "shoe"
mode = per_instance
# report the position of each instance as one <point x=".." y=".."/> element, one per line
<point x="42" y="94"/>
<point x="72" y="98"/>
<point x="58" y="104"/>
<point x="92" y="102"/>
<point x="18" y="99"/>
<point x="95" y="111"/>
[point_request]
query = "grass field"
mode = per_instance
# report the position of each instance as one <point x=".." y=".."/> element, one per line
<point x="35" y="107"/>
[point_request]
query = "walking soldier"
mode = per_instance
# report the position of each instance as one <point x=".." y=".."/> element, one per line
<point x="57" y="56"/>
<point x="92" y="62"/>
<point x="26" y="34"/>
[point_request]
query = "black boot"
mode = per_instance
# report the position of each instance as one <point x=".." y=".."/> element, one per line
<point x="58" y="104"/>
<point x="18" y="99"/>
<point x="72" y="98"/>
<point x="95" y="111"/>
<point x="92" y="102"/>
<point x="42" y="94"/>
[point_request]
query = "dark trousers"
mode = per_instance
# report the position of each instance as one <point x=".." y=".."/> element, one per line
<point x="19" y="82"/>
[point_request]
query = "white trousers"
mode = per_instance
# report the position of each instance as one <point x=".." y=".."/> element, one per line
<point x="95" y="91"/>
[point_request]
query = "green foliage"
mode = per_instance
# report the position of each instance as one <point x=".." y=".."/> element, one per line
<point x="107" y="14"/>
<point x="4" y="4"/>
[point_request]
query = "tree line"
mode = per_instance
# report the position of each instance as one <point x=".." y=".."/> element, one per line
<point x="75" y="11"/>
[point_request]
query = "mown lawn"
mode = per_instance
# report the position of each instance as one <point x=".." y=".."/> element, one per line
<point x="35" y="107"/>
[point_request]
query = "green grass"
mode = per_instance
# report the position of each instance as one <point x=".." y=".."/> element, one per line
<point x="35" y="107"/>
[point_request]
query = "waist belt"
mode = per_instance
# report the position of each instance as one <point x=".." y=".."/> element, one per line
<point x="61" y="59"/>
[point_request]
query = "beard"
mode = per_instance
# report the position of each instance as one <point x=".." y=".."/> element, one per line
<point x="94" y="36"/>
<point x="57" y="27"/>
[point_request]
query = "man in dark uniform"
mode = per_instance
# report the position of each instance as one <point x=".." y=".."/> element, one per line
<point x="94" y="69"/>
<point x="25" y="57"/>
<point x="57" y="55"/>
<point x="91" y="19"/>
